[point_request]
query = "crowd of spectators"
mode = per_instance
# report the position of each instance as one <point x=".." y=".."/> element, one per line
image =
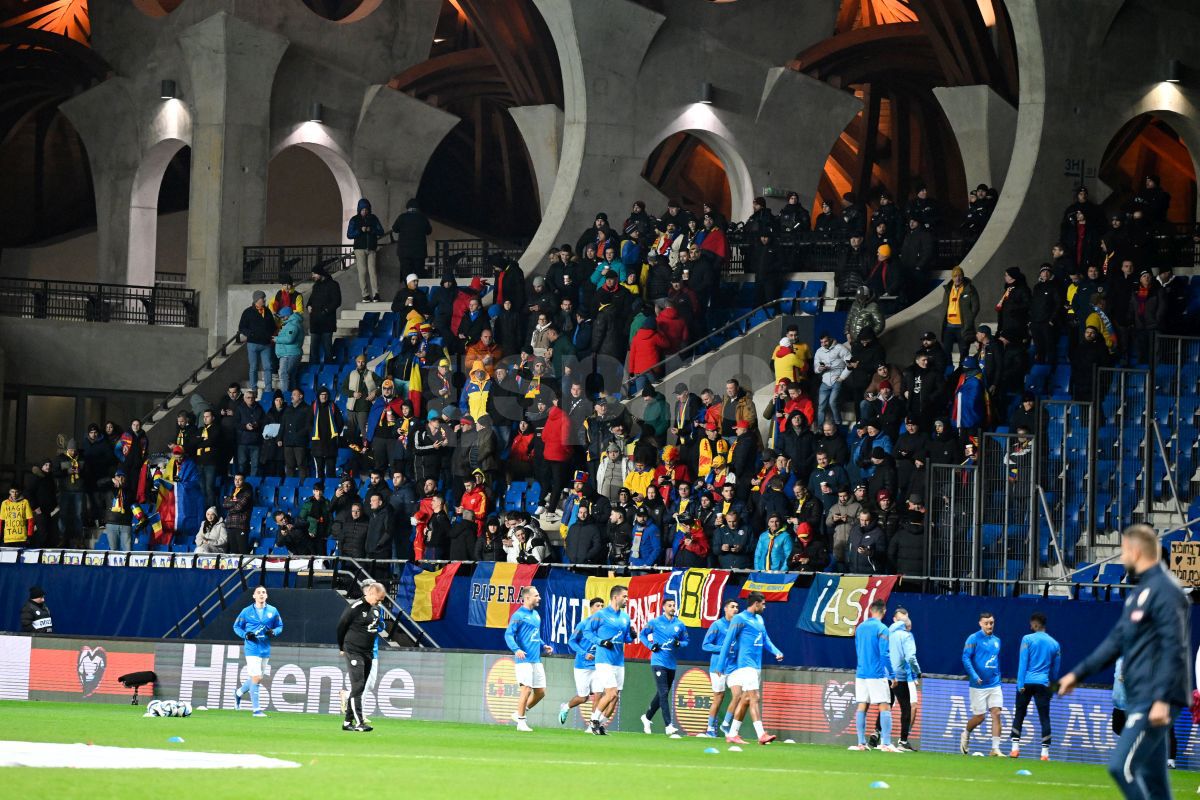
<point x="434" y="462"/>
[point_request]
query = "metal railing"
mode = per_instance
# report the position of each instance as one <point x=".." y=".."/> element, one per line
<point x="740" y="326"/>
<point x="806" y="251"/>
<point x="469" y="257"/>
<point x="1176" y="407"/>
<point x="99" y="302"/>
<point x="261" y="264"/>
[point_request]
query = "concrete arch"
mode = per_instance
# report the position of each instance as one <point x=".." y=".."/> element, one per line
<point x="313" y="137"/>
<point x="699" y="121"/>
<point x="143" y="210"/>
<point x="1173" y="107"/>
<point x="365" y="9"/>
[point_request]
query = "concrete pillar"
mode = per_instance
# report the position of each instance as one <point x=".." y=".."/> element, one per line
<point x="984" y="125"/>
<point x="542" y="129"/>
<point x="105" y="117"/>
<point x="395" y="136"/>
<point x="600" y="168"/>
<point x="232" y="66"/>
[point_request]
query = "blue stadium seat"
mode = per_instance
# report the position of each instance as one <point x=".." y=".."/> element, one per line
<point x="514" y="498"/>
<point x="812" y="293"/>
<point x="102" y="542"/>
<point x="141" y="542"/>
<point x="367" y="324"/>
<point x="533" y="496"/>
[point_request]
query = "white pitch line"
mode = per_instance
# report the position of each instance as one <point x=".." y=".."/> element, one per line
<point x="706" y="766"/>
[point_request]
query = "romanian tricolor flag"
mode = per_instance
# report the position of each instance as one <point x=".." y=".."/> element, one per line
<point x="414" y="390"/>
<point x="837" y="603"/>
<point x="151" y="521"/>
<point x="423" y="592"/>
<point x="774" y="586"/>
<point x="496" y="592"/>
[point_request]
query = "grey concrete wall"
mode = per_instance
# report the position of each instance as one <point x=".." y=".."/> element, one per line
<point x="132" y="358"/>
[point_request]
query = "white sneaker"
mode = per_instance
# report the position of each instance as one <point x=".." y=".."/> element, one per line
<point x="523" y="726"/>
<point x="672" y="731"/>
<point x="539" y="511"/>
<point x="646" y="729"/>
<point x="964" y="743"/>
<point x="888" y="748"/>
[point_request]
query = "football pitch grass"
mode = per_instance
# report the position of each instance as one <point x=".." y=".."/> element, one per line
<point x="444" y="759"/>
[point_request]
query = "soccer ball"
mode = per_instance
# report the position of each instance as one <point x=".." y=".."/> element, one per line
<point x="168" y="708"/>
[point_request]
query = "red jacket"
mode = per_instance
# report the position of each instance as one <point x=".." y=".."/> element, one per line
<point x="554" y="436"/>
<point x="647" y="349"/>
<point x="673" y="329"/>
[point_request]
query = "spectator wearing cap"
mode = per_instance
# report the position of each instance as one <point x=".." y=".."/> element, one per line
<point x="1045" y="315"/>
<point x="691" y="548"/>
<point x="885" y="277"/>
<point x="1090" y="355"/>
<point x="788" y="366"/>
<point x="256" y="329"/>
<point x="35" y="615"/>
<point x="1012" y="309"/>
<point x="1078" y="294"/>
<point x="798" y="444"/>
<point x="809" y="553"/>
<point x="911" y="454"/>
<point x="289" y="346"/>
<point x="411" y="297"/>
<point x="118" y="517"/>
<point x="365" y="230"/>
<point x="708" y="448"/>
<point x="883" y="477"/>
<point x="646" y="542"/>
<point x="328" y="427"/>
<point x="960" y="307"/>
<point x="1174" y="290"/>
<point x="969" y="410"/>
<point x="766" y="264"/>
<point x="1153" y="201"/>
<point x="774" y="546"/>
<point x="840" y="520"/>
<point x="1146" y="316"/>
<point x="429" y="444"/>
<point x="270" y="457"/>
<point x="411" y="229"/>
<point x="476" y="392"/>
<point x="923" y="389"/>
<point x="324" y="301"/>
<point x="917" y="251"/>
<point x="744" y="456"/>
<point x="360" y="388"/>
<point x="599" y="236"/>
<point x="286" y="297"/>
<point x="990" y="356"/>
<point x="885" y="408"/>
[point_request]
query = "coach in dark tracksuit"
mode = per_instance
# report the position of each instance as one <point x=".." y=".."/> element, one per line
<point x="1152" y="636"/>
<point x="356" y="632"/>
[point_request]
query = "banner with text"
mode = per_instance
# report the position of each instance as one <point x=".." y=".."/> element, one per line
<point x="837" y="603"/>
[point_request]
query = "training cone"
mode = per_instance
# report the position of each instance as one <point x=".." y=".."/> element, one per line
<point x="880" y="785"/>
<point x="712" y="751"/>
<point x="735" y="749"/>
<point x="1024" y="772"/>
<point x="176" y="740"/>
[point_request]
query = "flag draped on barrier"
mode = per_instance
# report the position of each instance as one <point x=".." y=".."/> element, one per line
<point x="422" y="592"/>
<point x="496" y="592"/>
<point x="774" y="586"/>
<point x="837" y="603"/>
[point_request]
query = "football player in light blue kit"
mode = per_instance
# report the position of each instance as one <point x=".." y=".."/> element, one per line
<point x="873" y="678"/>
<point x="524" y="637"/>
<point x="256" y="625"/>
<point x="717" y="674"/>
<point x="1041" y="660"/>
<point x="748" y="634"/>
<point x="663" y="635"/>
<point x="585" y="666"/>
<point x="981" y="660"/>
<point x="609" y="630"/>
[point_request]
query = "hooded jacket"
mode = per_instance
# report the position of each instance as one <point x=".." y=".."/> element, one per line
<point x="647" y="349"/>
<point x="364" y="229"/>
<point x="968" y="306"/>
<point x="290" y="339"/>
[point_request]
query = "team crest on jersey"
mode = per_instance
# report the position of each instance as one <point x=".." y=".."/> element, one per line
<point x="838" y="702"/>
<point x="90" y="666"/>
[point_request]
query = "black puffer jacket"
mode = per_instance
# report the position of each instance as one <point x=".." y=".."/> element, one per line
<point x="906" y="547"/>
<point x="351" y="537"/>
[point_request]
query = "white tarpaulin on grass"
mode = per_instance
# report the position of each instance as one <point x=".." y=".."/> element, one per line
<point x="86" y="756"/>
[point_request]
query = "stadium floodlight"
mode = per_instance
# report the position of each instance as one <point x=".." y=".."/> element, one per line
<point x="167" y="90"/>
